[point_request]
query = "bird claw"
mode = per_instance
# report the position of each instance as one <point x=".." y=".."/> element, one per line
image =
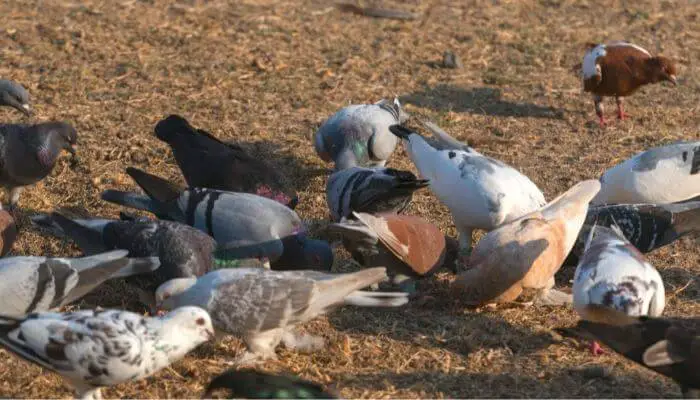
<point x="595" y="348"/>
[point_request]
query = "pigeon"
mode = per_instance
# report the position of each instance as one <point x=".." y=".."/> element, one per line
<point x="91" y="349"/>
<point x="28" y="153"/>
<point x="31" y="284"/>
<point x="618" y="69"/>
<point x="8" y="231"/>
<point x="207" y="162"/>
<point x="480" y="192"/>
<point x="14" y="95"/>
<point x="668" y="346"/>
<point x="183" y="251"/>
<point x="252" y="384"/>
<point x="262" y="306"/>
<point x="520" y="258"/>
<point x="409" y="246"/>
<point x="358" y="135"/>
<point x="370" y="190"/>
<point x="613" y="273"/>
<point x="661" y="175"/>
<point x="647" y="226"/>
<point x="244" y="225"/>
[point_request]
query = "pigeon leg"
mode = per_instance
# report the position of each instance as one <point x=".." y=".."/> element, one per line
<point x="302" y="342"/>
<point x="86" y="392"/>
<point x="261" y="346"/>
<point x="620" y="113"/>
<point x="596" y="350"/>
<point x="598" y="101"/>
<point x="14" y="196"/>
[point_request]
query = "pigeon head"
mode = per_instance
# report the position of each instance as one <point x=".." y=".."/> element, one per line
<point x="301" y="252"/>
<point x="166" y="294"/>
<point x="172" y="125"/>
<point x="14" y="95"/>
<point x="192" y="325"/>
<point x="661" y="69"/>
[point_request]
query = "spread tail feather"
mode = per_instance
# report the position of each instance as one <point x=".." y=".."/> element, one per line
<point x="361" y="298"/>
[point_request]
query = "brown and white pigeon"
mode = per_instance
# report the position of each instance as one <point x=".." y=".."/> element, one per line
<point x="618" y="69"/>
<point x="28" y="153"/>
<point x="208" y="162"/>
<point x="262" y="306"/>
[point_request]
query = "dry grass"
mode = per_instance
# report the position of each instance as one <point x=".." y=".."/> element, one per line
<point x="266" y="73"/>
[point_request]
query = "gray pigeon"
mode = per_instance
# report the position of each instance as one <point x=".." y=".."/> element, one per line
<point x="370" y="190"/>
<point x="31" y="284"/>
<point x="183" y="251"/>
<point x="262" y="306"/>
<point x="14" y="95"/>
<point x="91" y="348"/>
<point x="28" y="153"/>
<point x="647" y="226"/>
<point x="243" y="224"/>
<point x="207" y="162"/>
<point x="358" y="135"/>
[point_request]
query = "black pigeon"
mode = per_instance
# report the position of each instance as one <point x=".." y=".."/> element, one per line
<point x="251" y="384"/>
<point x="207" y="162"/>
<point x="370" y="190"/>
<point x="669" y="346"/>
<point x="647" y="226"/>
<point x="28" y="153"/>
<point x="14" y="95"/>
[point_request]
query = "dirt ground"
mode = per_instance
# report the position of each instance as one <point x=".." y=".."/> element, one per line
<point x="267" y="73"/>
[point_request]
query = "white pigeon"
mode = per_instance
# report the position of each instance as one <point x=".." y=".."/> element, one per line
<point x="92" y="349"/>
<point x="262" y="306"/>
<point x="614" y="274"/>
<point x="30" y="284"/>
<point x="358" y="135"/>
<point x="660" y="175"/>
<point x="370" y="190"/>
<point x="481" y="192"/>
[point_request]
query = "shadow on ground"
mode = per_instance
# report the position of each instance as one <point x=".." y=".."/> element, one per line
<point x="480" y="100"/>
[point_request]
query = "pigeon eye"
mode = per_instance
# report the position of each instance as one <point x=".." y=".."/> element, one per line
<point x="200" y="321"/>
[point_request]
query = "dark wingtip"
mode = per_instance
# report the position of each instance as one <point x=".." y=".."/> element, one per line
<point x="294" y="202"/>
<point x="401" y="131"/>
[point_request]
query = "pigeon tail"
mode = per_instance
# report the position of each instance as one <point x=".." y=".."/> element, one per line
<point x="444" y="139"/>
<point x="137" y="266"/>
<point x="155" y="187"/>
<point x="132" y="200"/>
<point x="686" y="219"/>
<point x="89" y="240"/>
<point x="361" y="298"/>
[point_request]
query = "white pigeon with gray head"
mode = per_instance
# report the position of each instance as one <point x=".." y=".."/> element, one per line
<point x="243" y="224"/>
<point x="613" y="273"/>
<point x="480" y="192"/>
<point x="666" y="174"/>
<point x="262" y="306"/>
<point x="358" y="135"/>
<point x="370" y="190"/>
<point x="28" y="153"/>
<point x="31" y="284"/>
<point x="92" y="349"/>
<point x="14" y="95"/>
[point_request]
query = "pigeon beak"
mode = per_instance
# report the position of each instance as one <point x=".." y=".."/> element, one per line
<point x="26" y="109"/>
<point x="211" y="335"/>
<point x="672" y="79"/>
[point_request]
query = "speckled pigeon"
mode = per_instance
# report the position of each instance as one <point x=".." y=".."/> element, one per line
<point x="481" y="192"/>
<point x="370" y="190"/>
<point x="358" y="135"/>
<point x="31" y="284"/>
<point x="262" y="306"/>
<point x="243" y="224"/>
<point x="28" y="153"/>
<point x="14" y="95"/>
<point x="647" y="226"/>
<point x="207" y="162"/>
<point x="91" y="349"/>
<point x="660" y="175"/>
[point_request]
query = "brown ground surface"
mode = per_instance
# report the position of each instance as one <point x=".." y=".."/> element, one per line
<point x="267" y="73"/>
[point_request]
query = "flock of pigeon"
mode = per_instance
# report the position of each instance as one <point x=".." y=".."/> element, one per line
<point x="228" y="255"/>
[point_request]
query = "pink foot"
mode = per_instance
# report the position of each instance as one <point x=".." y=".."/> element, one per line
<point x="601" y="120"/>
<point x="622" y="116"/>
<point x="596" y="350"/>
